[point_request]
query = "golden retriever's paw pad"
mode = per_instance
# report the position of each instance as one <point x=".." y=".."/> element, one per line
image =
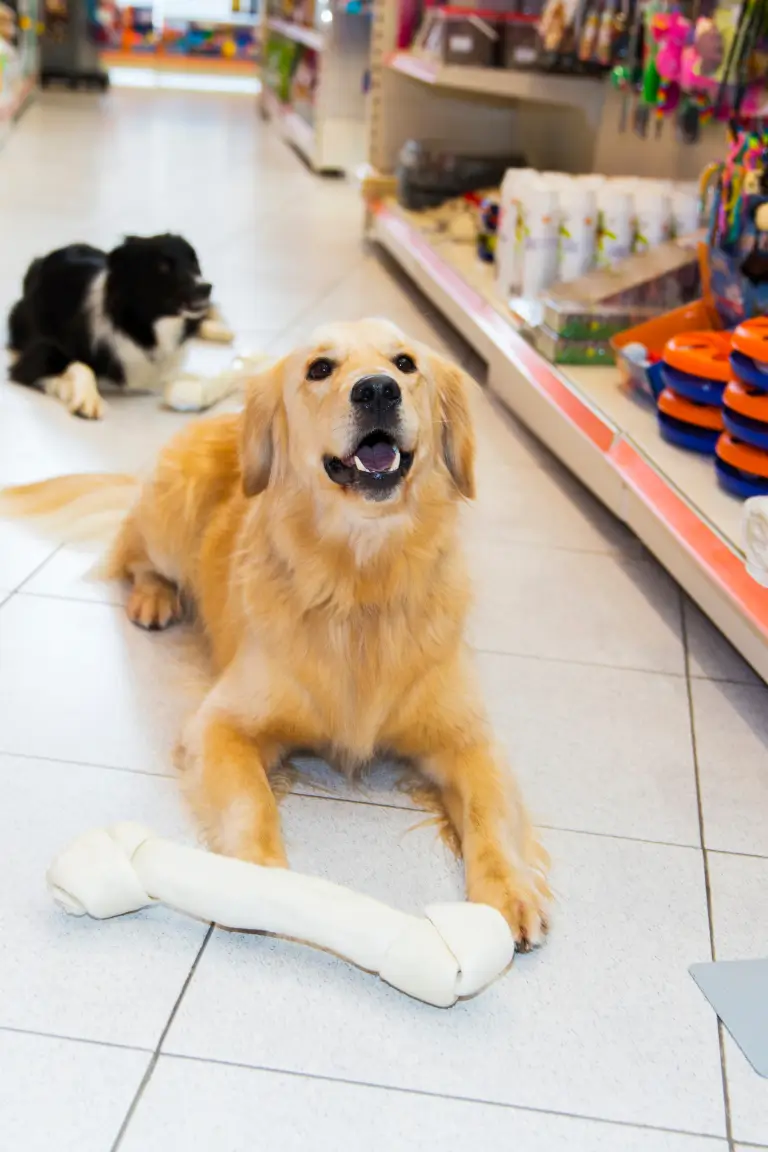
<point x="154" y="606"/>
<point x="522" y="901"/>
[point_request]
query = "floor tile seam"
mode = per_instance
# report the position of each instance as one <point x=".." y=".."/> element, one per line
<point x="485" y="651"/>
<point x="43" y="1034"/>
<point x="12" y="752"/>
<point x="705" y="862"/>
<point x="433" y="1095"/>
<point x="36" y="594"/>
<point x="55" y="548"/>
<point x="307" y="793"/>
<point x="541" y="825"/>
<point x="155" y="1056"/>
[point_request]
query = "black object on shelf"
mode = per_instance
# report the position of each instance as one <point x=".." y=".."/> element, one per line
<point x="69" y="54"/>
<point x="427" y="175"/>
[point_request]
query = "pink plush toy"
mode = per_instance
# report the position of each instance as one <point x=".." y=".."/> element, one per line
<point x="671" y="31"/>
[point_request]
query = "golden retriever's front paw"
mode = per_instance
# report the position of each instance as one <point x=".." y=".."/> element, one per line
<point x="154" y="605"/>
<point x="521" y="894"/>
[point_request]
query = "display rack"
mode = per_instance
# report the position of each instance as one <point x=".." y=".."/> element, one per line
<point x="606" y="436"/>
<point x="195" y="36"/>
<point x="570" y="123"/>
<point x="327" y="127"/>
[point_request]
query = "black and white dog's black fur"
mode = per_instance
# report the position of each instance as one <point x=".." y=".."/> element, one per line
<point x="122" y="317"/>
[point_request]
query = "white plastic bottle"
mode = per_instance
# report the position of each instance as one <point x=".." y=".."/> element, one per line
<point x="615" y="224"/>
<point x="591" y="180"/>
<point x="509" y="243"/>
<point x="652" y="215"/>
<point x="578" y="231"/>
<point x="685" y="210"/>
<point x="541" y="208"/>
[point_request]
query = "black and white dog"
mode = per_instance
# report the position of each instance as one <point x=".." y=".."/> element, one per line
<point x="122" y="317"/>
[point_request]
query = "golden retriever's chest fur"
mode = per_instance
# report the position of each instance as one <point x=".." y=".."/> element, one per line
<point x="350" y="661"/>
<point x="370" y="664"/>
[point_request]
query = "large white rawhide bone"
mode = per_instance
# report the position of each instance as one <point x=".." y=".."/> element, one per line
<point x="454" y="951"/>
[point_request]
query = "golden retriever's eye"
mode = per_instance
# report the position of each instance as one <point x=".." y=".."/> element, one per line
<point x="404" y="363"/>
<point x="320" y="369"/>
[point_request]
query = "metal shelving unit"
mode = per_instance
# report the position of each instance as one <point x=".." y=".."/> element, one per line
<point x="332" y="137"/>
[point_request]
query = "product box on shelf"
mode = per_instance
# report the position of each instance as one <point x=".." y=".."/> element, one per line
<point x="659" y="278"/>
<point x="577" y="322"/>
<point x="428" y="174"/>
<point x="563" y="350"/>
<point x="523" y="45"/>
<point x="460" y="36"/>
<point x="572" y="321"/>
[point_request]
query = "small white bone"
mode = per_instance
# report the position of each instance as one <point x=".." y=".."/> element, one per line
<point x="454" y="951"/>
<point x="193" y="393"/>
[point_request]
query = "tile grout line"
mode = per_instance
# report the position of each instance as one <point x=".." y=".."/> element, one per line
<point x="364" y="802"/>
<point x="705" y="863"/>
<point x="158" y="1048"/>
<point x="270" y="1071"/>
<point x="20" y="591"/>
<point x="73" y="1039"/>
<point x="432" y="1095"/>
<point x="55" y="549"/>
<point x="87" y="764"/>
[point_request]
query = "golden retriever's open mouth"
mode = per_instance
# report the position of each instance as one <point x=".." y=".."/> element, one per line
<point x="376" y="466"/>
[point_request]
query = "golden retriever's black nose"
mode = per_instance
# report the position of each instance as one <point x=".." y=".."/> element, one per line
<point x="380" y="392"/>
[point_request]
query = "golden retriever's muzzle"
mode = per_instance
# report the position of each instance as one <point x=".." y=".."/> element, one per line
<point x="377" y="462"/>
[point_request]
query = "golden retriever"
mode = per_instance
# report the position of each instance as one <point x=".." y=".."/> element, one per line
<point x="316" y="535"/>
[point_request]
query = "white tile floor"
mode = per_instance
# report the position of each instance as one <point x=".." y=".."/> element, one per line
<point x="617" y="700"/>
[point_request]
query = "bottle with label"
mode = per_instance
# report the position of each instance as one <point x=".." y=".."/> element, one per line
<point x="614" y="242"/>
<point x="685" y="210"/>
<point x="578" y="231"/>
<point x="652" y="214"/>
<point x="541" y="208"/>
<point x="511" y="231"/>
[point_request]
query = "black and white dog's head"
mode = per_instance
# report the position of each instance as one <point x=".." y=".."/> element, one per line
<point x="160" y="275"/>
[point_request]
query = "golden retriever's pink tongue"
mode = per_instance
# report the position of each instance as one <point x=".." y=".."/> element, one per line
<point x="378" y="457"/>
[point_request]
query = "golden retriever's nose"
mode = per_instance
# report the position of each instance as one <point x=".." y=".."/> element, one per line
<point x="376" y="392"/>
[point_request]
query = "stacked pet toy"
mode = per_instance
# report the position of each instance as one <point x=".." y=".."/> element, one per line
<point x="695" y="371"/>
<point x="742" y="449"/>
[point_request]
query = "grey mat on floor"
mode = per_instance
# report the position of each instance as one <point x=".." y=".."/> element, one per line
<point x="738" y="992"/>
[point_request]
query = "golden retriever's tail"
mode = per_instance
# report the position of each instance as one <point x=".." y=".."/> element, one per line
<point x="87" y="507"/>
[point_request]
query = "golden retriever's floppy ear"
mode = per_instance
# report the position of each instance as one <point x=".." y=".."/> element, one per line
<point x="258" y="446"/>
<point x="453" y="389"/>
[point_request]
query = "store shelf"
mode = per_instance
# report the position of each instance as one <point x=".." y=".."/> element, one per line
<point x="335" y="140"/>
<point x="293" y="127"/>
<point x="222" y="19"/>
<point x="608" y="438"/>
<point x="309" y="37"/>
<point x="159" y="61"/>
<point x="504" y="83"/>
